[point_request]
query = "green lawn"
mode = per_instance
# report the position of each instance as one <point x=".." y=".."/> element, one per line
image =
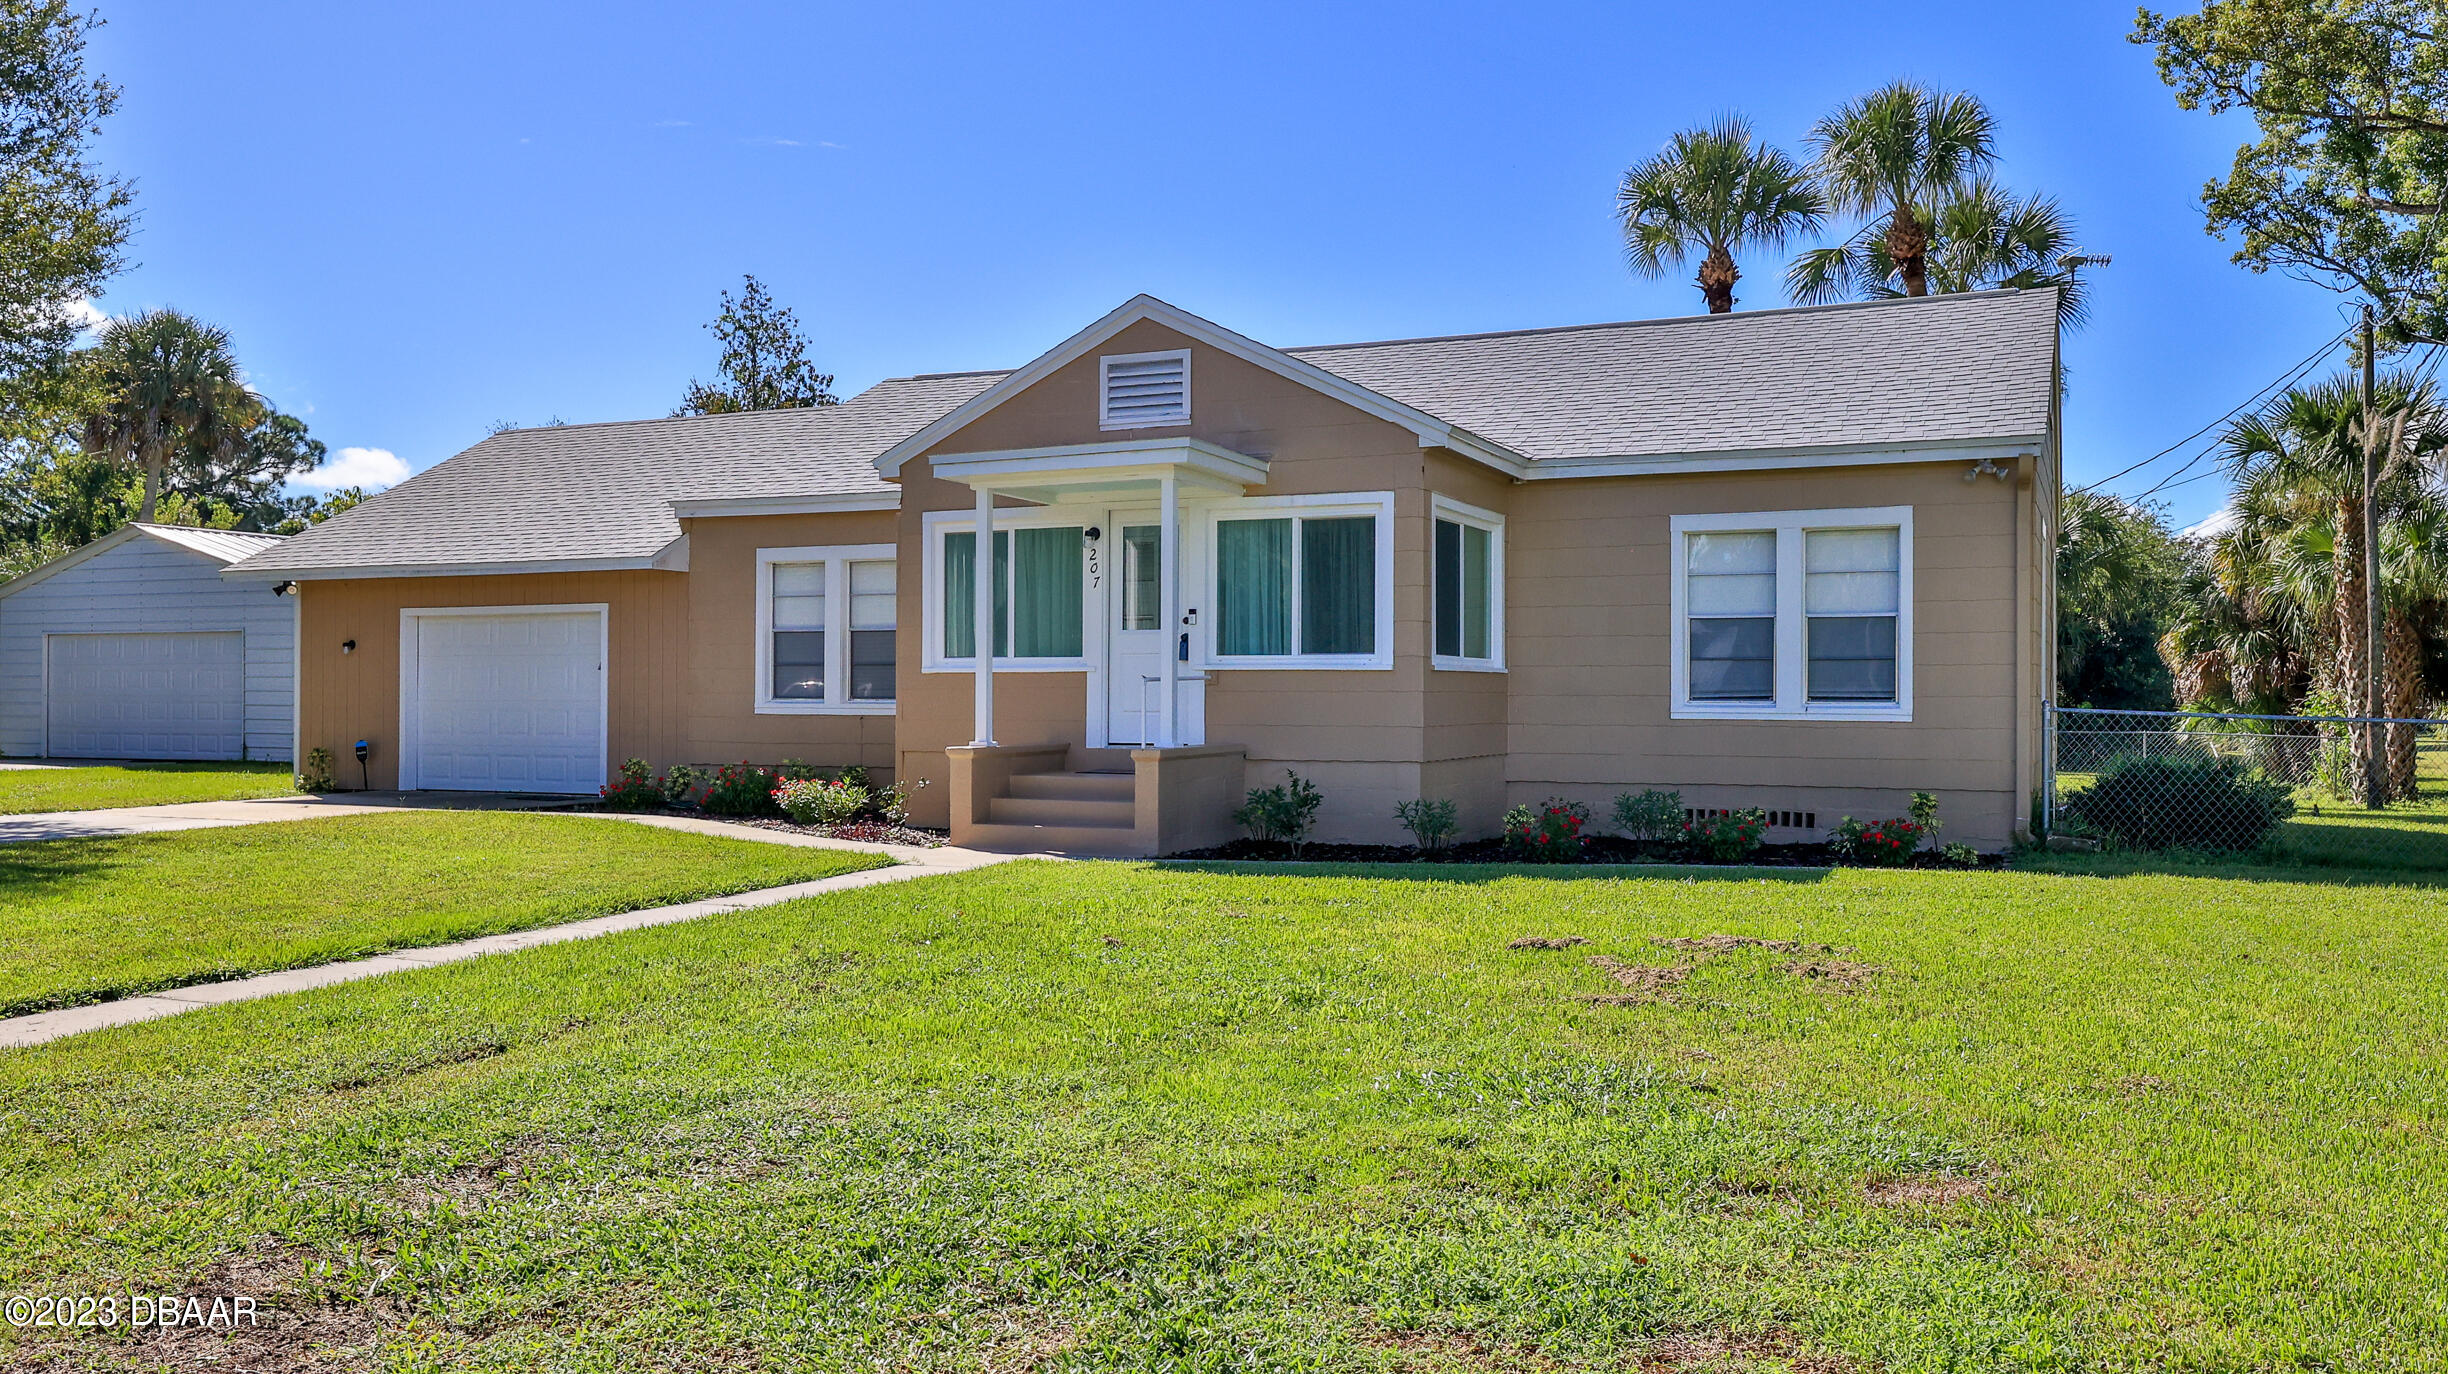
<point x="91" y="920"/>
<point x="1118" y="1117"/>
<point x="138" y="784"/>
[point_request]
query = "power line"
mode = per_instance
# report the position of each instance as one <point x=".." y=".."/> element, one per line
<point x="2285" y="379"/>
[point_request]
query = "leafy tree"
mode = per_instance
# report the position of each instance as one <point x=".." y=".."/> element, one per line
<point x="764" y="360"/>
<point x="168" y="391"/>
<point x="2117" y="566"/>
<point x="62" y="222"/>
<point x="1714" y="191"/>
<point x="300" y="513"/>
<point x="1981" y="238"/>
<point x="1896" y="151"/>
<point x="2346" y="185"/>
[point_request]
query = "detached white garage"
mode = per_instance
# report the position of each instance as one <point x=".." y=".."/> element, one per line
<point x="134" y="647"/>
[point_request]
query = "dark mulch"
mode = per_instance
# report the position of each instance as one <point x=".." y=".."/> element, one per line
<point x="1596" y="849"/>
<point x="866" y="832"/>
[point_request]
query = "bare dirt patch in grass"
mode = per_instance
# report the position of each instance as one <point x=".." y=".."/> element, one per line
<point x="1719" y="1352"/>
<point x="1925" y="1190"/>
<point x="1648" y="982"/>
<point x="294" y="1331"/>
<point x="1727" y="944"/>
<point x="1548" y="941"/>
<point x="1843" y="975"/>
<point x="1432" y="1350"/>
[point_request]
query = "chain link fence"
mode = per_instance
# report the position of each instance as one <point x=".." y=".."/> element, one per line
<point x="2279" y="789"/>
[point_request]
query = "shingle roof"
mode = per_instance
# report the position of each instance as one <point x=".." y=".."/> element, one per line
<point x="603" y="492"/>
<point x="1935" y="370"/>
<point x="1930" y="370"/>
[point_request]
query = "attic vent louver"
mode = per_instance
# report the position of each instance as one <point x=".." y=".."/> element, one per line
<point x="1143" y="389"/>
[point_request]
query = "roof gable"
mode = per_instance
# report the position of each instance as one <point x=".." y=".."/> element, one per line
<point x="1429" y="429"/>
<point x="223" y="547"/>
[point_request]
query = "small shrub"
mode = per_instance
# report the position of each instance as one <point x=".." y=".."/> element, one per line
<point x="1924" y="810"/>
<point x="857" y="776"/>
<point x="1730" y="837"/>
<point x="890" y="804"/>
<point x="2182" y="801"/>
<point x="1285" y="812"/>
<point x="742" y="789"/>
<point x="636" y="789"/>
<point x="814" y="801"/>
<point x="1432" y="823"/>
<point x="1959" y="855"/>
<point x="1547" y="834"/>
<point x="1652" y="817"/>
<point x="685" y="784"/>
<point x="315" y="774"/>
<point x="1885" y="844"/>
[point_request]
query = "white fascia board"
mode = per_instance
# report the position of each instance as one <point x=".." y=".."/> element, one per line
<point x="672" y="557"/>
<point x="1120" y="458"/>
<point x="1429" y="430"/>
<point x="1765" y="460"/>
<point x="710" y="507"/>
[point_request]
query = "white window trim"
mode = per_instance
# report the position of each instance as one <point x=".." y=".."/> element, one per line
<point x="1460" y="513"/>
<point x="1322" y="506"/>
<point x="1105" y="419"/>
<point x="1792" y="666"/>
<point x="837" y="559"/>
<point x="938" y="523"/>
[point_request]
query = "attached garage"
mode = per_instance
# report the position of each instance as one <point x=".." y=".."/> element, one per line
<point x="503" y="698"/>
<point x="134" y="647"/>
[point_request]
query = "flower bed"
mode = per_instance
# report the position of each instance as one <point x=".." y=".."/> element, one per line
<point x="1595" y="849"/>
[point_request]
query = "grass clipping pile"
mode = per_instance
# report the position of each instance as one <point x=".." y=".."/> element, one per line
<point x="1822" y="965"/>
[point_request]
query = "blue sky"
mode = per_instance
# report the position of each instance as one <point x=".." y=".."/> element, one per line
<point x="419" y="220"/>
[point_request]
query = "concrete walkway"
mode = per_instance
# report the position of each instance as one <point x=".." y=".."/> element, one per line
<point x="910" y="862"/>
<point x="204" y="815"/>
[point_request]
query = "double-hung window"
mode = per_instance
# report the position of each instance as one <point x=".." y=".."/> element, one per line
<point x="1793" y="614"/>
<point x="1304" y="582"/>
<point x="1038" y="592"/>
<point x="826" y="622"/>
<point x="1466" y="547"/>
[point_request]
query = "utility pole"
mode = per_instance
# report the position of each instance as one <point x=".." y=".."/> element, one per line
<point x="2375" y="748"/>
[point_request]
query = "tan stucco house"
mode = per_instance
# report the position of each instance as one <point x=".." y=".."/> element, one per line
<point x="1792" y="559"/>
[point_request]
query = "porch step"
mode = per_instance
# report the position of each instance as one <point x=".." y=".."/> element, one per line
<point x="1062" y="810"/>
<point x="1098" y="787"/>
<point x="1085" y="841"/>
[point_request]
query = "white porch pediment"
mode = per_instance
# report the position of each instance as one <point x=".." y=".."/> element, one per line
<point x="1120" y="470"/>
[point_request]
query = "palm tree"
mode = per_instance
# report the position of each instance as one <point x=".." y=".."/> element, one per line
<point x="1897" y="150"/>
<point x="1713" y="191"/>
<point x="2303" y="453"/>
<point x="1981" y="238"/>
<point x="2414" y="593"/>
<point x="167" y="386"/>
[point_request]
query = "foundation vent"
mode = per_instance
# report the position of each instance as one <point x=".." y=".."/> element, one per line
<point x="1777" y="820"/>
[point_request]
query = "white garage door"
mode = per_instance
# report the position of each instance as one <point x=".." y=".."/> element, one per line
<point x="509" y="703"/>
<point x="174" y="696"/>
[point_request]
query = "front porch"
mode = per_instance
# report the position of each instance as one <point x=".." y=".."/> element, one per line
<point x="1094" y="803"/>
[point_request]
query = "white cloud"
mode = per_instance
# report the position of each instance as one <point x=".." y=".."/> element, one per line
<point x="88" y="316"/>
<point x="2216" y="522"/>
<point x="371" y="468"/>
<point x="772" y="142"/>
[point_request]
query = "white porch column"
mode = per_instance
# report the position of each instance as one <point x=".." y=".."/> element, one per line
<point x="1169" y="559"/>
<point x="982" y="612"/>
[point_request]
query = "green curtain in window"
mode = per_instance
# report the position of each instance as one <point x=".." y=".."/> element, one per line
<point x="1448" y="588"/>
<point x="1254" y="587"/>
<point x="1046" y="613"/>
<point x="960" y="593"/>
<point x="1478" y="575"/>
<point x="1339" y="585"/>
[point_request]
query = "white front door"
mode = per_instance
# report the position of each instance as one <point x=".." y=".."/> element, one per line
<point x="506" y="701"/>
<point x="1140" y="648"/>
